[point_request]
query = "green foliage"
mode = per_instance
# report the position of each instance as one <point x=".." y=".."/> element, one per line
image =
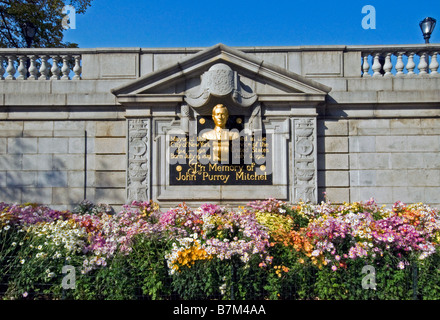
<point x="45" y="15"/>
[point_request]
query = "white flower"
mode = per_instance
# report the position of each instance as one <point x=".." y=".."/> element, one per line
<point x="22" y="261"/>
<point x="6" y="227"/>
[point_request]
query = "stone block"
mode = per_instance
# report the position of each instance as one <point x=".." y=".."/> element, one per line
<point x="431" y="196"/>
<point x="22" y="145"/>
<point x="423" y="143"/>
<point x="332" y="161"/>
<point x="322" y="63"/>
<point x="2" y="145"/>
<point x="11" y="161"/>
<point x="83" y="86"/>
<point x="351" y="64"/>
<point x="362" y="144"/>
<point x="38" y="128"/>
<point x="69" y="128"/>
<point x="2" y="179"/>
<point x="110" y="145"/>
<point x="81" y="145"/>
<point x="363" y="178"/>
<point x="53" y="145"/>
<point x="21" y="178"/>
<point x="11" y="126"/>
<point x="382" y="195"/>
<point x="68" y="196"/>
<point x="333" y="179"/>
<point x="110" y="179"/>
<point x="75" y="179"/>
<point x="409" y="160"/>
<point x="110" y="196"/>
<point x="337" y="84"/>
<point x="52" y="178"/>
<point x="369" y="84"/>
<point x="40" y="99"/>
<point x="294" y="63"/>
<point x="430" y="160"/>
<point x="333" y="144"/>
<point x="119" y="66"/>
<point x="96" y="99"/>
<point x="90" y="66"/>
<point x="392" y="178"/>
<point x="162" y="60"/>
<point x="408" y="194"/>
<point x="335" y="195"/>
<point x="365" y="161"/>
<point x="68" y="162"/>
<point x="110" y="162"/>
<point x="333" y="128"/>
<point x="146" y="61"/>
<point x="275" y="58"/>
<point x="11" y="195"/>
<point x="37" y="162"/>
<point x="37" y="195"/>
<point x="111" y="129"/>
<point x="424" y="178"/>
<point x="391" y="143"/>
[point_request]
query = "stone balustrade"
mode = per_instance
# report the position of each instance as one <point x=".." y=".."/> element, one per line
<point x="377" y="61"/>
<point x="400" y="61"/>
<point x="40" y="64"/>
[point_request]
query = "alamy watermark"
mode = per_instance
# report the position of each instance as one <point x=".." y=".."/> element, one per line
<point x="69" y="280"/>
<point x="369" y="20"/>
<point x="69" y="20"/>
<point x="369" y="281"/>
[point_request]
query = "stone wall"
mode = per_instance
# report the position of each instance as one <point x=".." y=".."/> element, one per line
<point x="388" y="159"/>
<point x="61" y="162"/>
<point x="63" y="141"/>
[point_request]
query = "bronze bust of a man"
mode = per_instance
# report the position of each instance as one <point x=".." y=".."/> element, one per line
<point x="220" y="135"/>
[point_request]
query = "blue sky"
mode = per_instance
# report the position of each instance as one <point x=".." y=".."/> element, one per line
<point x="153" y="24"/>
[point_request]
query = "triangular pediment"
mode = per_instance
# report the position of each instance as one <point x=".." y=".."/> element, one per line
<point x="197" y="76"/>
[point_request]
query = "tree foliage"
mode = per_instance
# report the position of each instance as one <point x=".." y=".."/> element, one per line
<point x="45" y="15"/>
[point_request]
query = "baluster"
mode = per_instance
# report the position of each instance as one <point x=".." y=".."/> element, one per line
<point x="399" y="65"/>
<point x="434" y="65"/>
<point x="77" y="68"/>
<point x="410" y="65"/>
<point x="33" y="71"/>
<point x="366" y="66"/>
<point x="388" y="65"/>
<point x="65" y="68"/>
<point x="22" y="70"/>
<point x="10" y="69"/>
<point x="55" y="69"/>
<point x="2" y="69"/>
<point x="423" y="64"/>
<point x="377" y="67"/>
<point x="44" y="70"/>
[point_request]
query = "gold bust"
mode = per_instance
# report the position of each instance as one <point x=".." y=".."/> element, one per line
<point x="220" y="135"/>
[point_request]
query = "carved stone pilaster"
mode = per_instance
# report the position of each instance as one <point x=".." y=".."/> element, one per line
<point x="304" y="155"/>
<point x="138" y="175"/>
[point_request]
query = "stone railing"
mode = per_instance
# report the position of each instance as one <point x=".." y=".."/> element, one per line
<point x="399" y="61"/>
<point x="376" y="61"/>
<point x="40" y="64"/>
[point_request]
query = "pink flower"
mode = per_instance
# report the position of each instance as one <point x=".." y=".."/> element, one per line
<point x="334" y="268"/>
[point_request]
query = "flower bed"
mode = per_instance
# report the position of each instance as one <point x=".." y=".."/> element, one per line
<point x="266" y="250"/>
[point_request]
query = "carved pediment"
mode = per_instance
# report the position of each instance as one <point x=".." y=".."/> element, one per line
<point x="220" y="72"/>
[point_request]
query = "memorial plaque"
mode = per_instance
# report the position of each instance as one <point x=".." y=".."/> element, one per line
<point x="222" y="153"/>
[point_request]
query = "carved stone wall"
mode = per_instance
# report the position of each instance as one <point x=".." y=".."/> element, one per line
<point x="138" y="174"/>
<point x="304" y="159"/>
